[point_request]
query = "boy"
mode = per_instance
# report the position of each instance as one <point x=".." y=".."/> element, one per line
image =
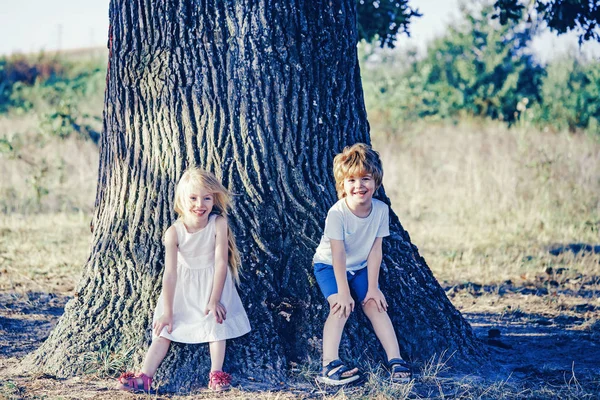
<point x="348" y="259"/>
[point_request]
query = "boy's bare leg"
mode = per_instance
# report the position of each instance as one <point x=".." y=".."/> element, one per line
<point x="217" y="355"/>
<point x="382" y="325"/>
<point x="332" y="336"/>
<point x="156" y="353"/>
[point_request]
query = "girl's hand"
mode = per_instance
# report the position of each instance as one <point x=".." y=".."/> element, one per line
<point x="218" y="311"/>
<point x="159" y="324"/>
<point x="343" y="305"/>
<point x="378" y="297"/>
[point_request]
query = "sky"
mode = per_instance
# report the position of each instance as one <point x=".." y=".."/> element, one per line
<point x="34" y="25"/>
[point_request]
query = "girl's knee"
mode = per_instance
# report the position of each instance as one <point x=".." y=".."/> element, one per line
<point x="161" y="341"/>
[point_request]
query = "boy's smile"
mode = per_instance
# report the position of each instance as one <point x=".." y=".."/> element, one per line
<point x="359" y="193"/>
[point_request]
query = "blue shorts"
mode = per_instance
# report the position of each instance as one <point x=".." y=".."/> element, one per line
<point x="357" y="280"/>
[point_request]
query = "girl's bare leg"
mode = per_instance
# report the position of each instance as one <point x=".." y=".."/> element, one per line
<point x="217" y="355"/>
<point x="156" y="353"/>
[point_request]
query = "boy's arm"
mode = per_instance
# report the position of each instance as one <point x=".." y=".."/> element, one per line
<point x="221" y="250"/>
<point x="344" y="302"/>
<point x="169" y="282"/>
<point x="373" y="267"/>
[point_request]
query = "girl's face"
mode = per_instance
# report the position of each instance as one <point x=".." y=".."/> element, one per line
<point x="359" y="190"/>
<point x="201" y="203"/>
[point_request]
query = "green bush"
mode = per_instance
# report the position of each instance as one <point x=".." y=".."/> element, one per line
<point x="19" y="70"/>
<point x="479" y="68"/>
<point x="570" y="92"/>
<point x="29" y="80"/>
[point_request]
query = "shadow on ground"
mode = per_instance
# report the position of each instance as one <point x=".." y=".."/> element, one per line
<point x="531" y="353"/>
<point x="26" y="320"/>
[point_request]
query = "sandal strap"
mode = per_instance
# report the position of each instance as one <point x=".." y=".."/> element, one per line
<point x="147" y="381"/>
<point x="337" y="375"/>
<point x="219" y="377"/>
<point x="128" y="379"/>
<point x="332" y="365"/>
<point x="398" y="365"/>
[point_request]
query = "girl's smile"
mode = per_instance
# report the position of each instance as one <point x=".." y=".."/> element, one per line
<point x="201" y="204"/>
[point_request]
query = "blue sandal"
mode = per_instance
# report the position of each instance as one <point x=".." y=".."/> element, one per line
<point x="400" y="371"/>
<point x="332" y="374"/>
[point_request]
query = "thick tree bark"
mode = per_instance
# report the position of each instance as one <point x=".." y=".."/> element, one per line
<point x="264" y="94"/>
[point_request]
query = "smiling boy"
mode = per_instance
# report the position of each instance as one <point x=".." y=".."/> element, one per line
<point x="348" y="259"/>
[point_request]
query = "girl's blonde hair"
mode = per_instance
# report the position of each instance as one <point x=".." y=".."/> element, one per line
<point x="356" y="160"/>
<point x="194" y="179"/>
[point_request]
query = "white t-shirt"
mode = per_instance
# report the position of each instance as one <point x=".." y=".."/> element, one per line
<point x="358" y="234"/>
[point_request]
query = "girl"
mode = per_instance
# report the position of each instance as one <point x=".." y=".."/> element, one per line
<point x="199" y="302"/>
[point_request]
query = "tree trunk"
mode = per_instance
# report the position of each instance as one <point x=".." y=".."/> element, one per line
<point x="264" y="94"/>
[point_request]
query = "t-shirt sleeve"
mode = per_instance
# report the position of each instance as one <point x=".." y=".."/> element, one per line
<point x="384" y="224"/>
<point x="334" y="225"/>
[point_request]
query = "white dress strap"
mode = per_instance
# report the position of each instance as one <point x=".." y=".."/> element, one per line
<point x="180" y="229"/>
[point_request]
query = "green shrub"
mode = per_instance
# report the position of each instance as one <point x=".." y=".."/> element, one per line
<point x="481" y="67"/>
<point x="570" y="92"/>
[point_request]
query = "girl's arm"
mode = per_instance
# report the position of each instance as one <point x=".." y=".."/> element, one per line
<point x="373" y="267"/>
<point x="221" y="250"/>
<point x="169" y="282"/>
<point x="344" y="301"/>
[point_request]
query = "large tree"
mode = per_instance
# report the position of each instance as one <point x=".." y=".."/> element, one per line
<point x="264" y="94"/>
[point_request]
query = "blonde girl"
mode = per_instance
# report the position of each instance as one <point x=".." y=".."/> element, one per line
<point x="199" y="302"/>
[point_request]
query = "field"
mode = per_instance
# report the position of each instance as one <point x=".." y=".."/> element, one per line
<point x="487" y="207"/>
<point x="507" y="219"/>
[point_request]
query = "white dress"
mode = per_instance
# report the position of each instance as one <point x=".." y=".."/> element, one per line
<point x="195" y="273"/>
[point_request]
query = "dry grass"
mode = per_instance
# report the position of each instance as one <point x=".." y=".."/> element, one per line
<point x="483" y="202"/>
<point x="42" y="172"/>
<point x="43" y="252"/>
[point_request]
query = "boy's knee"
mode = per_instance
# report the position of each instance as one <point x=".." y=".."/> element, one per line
<point x="370" y="307"/>
<point x="338" y="316"/>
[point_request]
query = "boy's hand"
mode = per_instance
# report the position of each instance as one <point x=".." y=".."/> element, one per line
<point x="159" y="324"/>
<point x="378" y="297"/>
<point x="218" y="311"/>
<point x="343" y="306"/>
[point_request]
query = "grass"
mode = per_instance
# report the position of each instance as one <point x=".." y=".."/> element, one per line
<point x="105" y="363"/>
<point x="43" y="173"/>
<point x="42" y="252"/>
<point x="483" y="202"/>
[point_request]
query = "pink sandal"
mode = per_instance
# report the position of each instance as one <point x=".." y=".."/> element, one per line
<point x="128" y="382"/>
<point x="219" y="381"/>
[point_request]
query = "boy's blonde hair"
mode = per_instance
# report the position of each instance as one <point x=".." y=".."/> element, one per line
<point x="357" y="160"/>
<point x="194" y="179"/>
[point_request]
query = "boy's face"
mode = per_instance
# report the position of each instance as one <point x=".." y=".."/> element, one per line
<point x="359" y="190"/>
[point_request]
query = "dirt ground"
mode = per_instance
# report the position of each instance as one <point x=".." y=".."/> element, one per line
<point x="544" y="340"/>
